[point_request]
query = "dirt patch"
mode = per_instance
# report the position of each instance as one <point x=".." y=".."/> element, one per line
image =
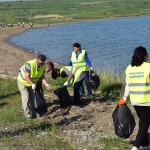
<point x="48" y="16"/>
<point x="90" y="3"/>
<point x="84" y="125"/>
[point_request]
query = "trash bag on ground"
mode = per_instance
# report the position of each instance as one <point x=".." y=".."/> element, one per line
<point x="94" y="80"/>
<point x="124" y="121"/>
<point x="64" y="97"/>
<point x="40" y="103"/>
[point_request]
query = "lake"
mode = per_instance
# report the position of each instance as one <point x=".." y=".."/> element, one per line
<point x="109" y="43"/>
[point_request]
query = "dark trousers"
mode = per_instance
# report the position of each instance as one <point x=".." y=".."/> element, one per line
<point x="143" y="113"/>
<point x="86" y="79"/>
<point x="76" y="98"/>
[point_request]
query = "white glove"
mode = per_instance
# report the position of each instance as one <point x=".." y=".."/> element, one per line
<point x="66" y="83"/>
<point x="33" y="86"/>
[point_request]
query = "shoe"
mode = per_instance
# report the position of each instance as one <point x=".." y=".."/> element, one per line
<point x="82" y="95"/>
<point x="38" y="115"/>
<point x="30" y="116"/>
<point x="135" y="148"/>
<point x="89" y="97"/>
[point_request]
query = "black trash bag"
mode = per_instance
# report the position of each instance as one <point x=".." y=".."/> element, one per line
<point x="64" y="97"/>
<point x="124" y="121"/>
<point x="40" y="103"/>
<point x="94" y="80"/>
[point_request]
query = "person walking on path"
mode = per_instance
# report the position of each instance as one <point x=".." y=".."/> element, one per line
<point x="138" y="87"/>
<point x="80" y="59"/>
<point x="27" y="79"/>
<point x="75" y="78"/>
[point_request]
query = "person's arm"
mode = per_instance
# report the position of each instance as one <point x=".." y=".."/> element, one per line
<point x="27" y="75"/>
<point x="126" y="93"/>
<point x="44" y="81"/>
<point x="88" y="61"/>
<point x="70" y="63"/>
<point x="69" y="74"/>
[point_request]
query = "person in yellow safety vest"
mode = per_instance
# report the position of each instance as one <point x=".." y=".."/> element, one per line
<point x="27" y="79"/>
<point x="75" y="78"/>
<point x="80" y="59"/>
<point x="138" y="87"/>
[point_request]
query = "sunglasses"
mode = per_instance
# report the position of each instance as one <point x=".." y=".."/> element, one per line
<point x="40" y="63"/>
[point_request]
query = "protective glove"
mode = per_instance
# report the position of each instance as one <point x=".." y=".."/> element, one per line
<point x="91" y="69"/>
<point x="33" y="86"/>
<point x="121" y="102"/>
<point x="66" y="83"/>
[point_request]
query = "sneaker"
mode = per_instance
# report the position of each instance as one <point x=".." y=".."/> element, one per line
<point x="135" y="148"/>
<point x="38" y="115"/>
<point x="30" y="116"/>
<point x="82" y="95"/>
<point x="89" y="97"/>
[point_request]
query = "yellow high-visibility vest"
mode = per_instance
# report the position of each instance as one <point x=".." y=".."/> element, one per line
<point x="139" y="83"/>
<point x="35" y="74"/>
<point x="80" y="62"/>
<point x="75" y="71"/>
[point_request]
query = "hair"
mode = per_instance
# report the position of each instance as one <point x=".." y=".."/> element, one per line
<point x="55" y="73"/>
<point x="50" y="64"/>
<point x="42" y="57"/>
<point x="77" y="45"/>
<point x="139" y="55"/>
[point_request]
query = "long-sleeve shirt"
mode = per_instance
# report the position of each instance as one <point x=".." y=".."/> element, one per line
<point x="87" y="60"/>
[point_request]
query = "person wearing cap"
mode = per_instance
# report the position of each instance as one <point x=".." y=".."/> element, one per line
<point x="75" y="78"/>
<point x="27" y="79"/>
<point x="138" y="87"/>
<point x="80" y="59"/>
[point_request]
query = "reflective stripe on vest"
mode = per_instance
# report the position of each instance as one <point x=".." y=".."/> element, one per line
<point x="35" y="74"/>
<point x="80" y="62"/>
<point x="139" y="83"/>
<point x="75" y="71"/>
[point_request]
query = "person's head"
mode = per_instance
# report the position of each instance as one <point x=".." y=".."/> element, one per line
<point x="41" y="60"/>
<point x="49" y="66"/>
<point x="140" y="55"/>
<point x="76" y="47"/>
<point x="55" y="73"/>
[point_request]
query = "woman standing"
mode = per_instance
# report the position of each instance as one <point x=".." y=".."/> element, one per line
<point x="138" y="87"/>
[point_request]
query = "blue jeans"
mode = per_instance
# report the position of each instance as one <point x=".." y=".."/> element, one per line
<point x="86" y="80"/>
<point x="76" y="98"/>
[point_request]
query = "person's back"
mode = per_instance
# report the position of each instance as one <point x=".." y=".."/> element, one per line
<point x="138" y="87"/>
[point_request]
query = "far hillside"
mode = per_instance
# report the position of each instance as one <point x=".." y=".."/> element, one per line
<point x="57" y="11"/>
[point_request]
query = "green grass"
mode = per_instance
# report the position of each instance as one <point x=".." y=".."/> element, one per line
<point x="112" y="84"/>
<point x="114" y="144"/>
<point x="71" y="10"/>
<point x="17" y="132"/>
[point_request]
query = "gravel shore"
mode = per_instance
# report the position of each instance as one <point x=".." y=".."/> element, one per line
<point x="12" y="57"/>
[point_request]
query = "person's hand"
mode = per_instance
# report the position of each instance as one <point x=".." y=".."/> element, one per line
<point x="33" y="86"/>
<point x="48" y="87"/>
<point x="121" y="102"/>
<point x="66" y="83"/>
<point x="91" y="69"/>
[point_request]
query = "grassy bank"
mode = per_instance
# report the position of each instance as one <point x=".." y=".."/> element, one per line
<point x="56" y="11"/>
<point x="18" y="132"/>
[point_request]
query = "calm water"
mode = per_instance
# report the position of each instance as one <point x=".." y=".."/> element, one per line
<point x="109" y="43"/>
